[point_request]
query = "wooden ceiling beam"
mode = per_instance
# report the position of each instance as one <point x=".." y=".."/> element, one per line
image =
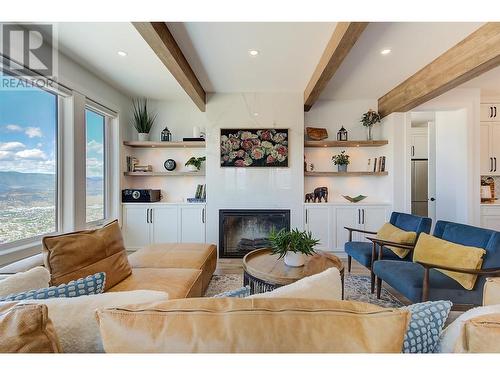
<point x="343" y="39"/>
<point x="161" y="41"/>
<point x="476" y="54"/>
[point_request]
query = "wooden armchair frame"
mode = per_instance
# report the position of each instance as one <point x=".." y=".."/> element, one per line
<point x="349" y="258"/>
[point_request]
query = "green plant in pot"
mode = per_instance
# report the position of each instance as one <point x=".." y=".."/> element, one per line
<point x="369" y="119"/>
<point x="341" y="161"/>
<point x="194" y="163"/>
<point x="143" y="120"/>
<point x="293" y="245"/>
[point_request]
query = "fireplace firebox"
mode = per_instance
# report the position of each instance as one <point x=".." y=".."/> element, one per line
<point x="241" y="231"/>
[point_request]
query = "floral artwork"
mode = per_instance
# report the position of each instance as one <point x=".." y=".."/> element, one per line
<point x="254" y="148"/>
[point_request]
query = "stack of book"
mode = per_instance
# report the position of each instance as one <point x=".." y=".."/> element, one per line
<point x="200" y="194"/>
<point x="143" y="168"/>
<point x="378" y="164"/>
<point x="131" y="163"/>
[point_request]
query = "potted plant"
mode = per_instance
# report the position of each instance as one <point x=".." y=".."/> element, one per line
<point x="194" y="164"/>
<point x="143" y="120"/>
<point x="293" y="246"/>
<point x="369" y="119"/>
<point x="341" y="161"/>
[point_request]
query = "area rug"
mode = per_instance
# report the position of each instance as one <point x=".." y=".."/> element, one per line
<point x="357" y="288"/>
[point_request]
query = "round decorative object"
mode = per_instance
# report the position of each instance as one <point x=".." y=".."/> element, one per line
<point x="170" y="164"/>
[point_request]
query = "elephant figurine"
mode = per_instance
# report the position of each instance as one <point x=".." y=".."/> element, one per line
<point x="321" y="193"/>
<point x="309" y="197"/>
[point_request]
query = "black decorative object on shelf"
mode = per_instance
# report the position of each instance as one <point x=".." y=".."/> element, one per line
<point x="321" y="193"/>
<point x="342" y="134"/>
<point x="166" y="135"/>
<point x="309" y="198"/>
<point x="170" y="165"/>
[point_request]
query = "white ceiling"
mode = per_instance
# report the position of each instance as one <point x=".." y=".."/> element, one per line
<point x="218" y="54"/>
<point x="488" y="82"/>
<point x="365" y="73"/>
<point x="94" y="45"/>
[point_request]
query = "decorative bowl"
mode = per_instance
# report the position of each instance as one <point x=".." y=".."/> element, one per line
<point x="357" y="199"/>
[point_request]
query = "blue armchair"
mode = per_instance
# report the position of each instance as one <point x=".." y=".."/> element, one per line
<point x="421" y="281"/>
<point x="365" y="252"/>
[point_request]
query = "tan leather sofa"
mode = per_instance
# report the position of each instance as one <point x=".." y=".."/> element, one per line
<point x="181" y="270"/>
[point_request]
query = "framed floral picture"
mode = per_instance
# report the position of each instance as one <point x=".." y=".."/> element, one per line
<point x="254" y="148"/>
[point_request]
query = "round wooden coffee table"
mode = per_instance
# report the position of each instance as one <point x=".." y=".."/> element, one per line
<point x="264" y="272"/>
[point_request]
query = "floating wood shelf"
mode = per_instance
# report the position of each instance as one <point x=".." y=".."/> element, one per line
<point x="344" y="174"/>
<point x="161" y="174"/>
<point x="327" y="143"/>
<point x="149" y="144"/>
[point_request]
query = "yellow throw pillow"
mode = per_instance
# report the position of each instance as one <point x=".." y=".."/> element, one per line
<point x="389" y="232"/>
<point x="480" y="335"/>
<point x="434" y="250"/>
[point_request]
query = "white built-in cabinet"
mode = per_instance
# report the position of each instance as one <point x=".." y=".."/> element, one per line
<point x="490" y="112"/>
<point x="419" y="143"/>
<point x="490" y="217"/>
<point x="327" y="222"/>
<point x="490" y="148"/>
<point x="145" y="223"/>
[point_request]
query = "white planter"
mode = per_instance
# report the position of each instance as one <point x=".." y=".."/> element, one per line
<point x="143" y="137"/>
<point x="191" y="168"/>
<point x="294" y="259"/>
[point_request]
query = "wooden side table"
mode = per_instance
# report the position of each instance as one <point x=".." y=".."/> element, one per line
<point x="264" y="272"/>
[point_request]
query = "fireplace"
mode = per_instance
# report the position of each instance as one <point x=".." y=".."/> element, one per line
<point x="241" y="231"/>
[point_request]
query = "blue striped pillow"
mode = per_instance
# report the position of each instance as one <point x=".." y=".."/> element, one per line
<point x="93" y="284"/>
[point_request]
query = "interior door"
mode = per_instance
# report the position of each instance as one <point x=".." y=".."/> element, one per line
<point x="318" y="222"/>
<point x="136" y="228"/>
<point x="431" y="173"/>
<point x="192" y="223"/>
<point x="346" y="217"/>
<point x="165" y="224"/>
<point x="420" y="145"/>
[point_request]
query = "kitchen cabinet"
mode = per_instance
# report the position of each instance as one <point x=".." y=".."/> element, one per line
<point x="490" y="148"/>
<point x="192" y="228"/>
<point x="490" y="217"/>
<point x="144" y="224"/>
<point x="318" y="222"/>
<point x="419" y="144"/>
<point x="490" y="112"/>
<point x="327" y="221"/>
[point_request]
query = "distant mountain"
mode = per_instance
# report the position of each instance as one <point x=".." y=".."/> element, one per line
<point x="35" y="182"/>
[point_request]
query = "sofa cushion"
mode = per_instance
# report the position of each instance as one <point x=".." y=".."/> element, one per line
<point x="491" y="291"/>
<point x="241" y="325"/>
<point x="407" y="278"/>
<point x="389" y="232"/>
<point x="75" y="255"/>
<point x="24" y="264"/>
<point x="93" y="284"/>
<point x="323" y="285"/>
<point x="80" y="332"/>
<point x="480" y="335"/>
<point x="362" y="252"/>
<point x="35" y="278"/>
<point x="178" y="255"/>
<point x="436" y="251"/>
<point x="177" y="282"/>
<point x="26" y="328"/>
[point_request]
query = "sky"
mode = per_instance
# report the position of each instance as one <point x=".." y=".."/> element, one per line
<point x="28" y="123"/>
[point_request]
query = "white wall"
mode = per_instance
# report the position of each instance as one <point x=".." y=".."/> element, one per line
<point x="347" y="113"/>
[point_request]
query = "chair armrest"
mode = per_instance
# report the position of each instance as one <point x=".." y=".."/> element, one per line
<point x="480" y="272"/>
<point x="381" y="242"/>
<point x="359" y="230"/>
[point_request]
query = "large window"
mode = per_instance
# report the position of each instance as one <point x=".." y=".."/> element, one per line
<point x="28" y="164"/>
<point x="95" y="166"/>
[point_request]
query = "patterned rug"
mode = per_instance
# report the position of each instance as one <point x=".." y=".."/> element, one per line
<point x="357" y="288"/>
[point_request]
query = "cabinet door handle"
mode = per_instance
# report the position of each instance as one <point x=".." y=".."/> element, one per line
<point x="147" y="216"/>
<point x="359" y="216"/>
<point x="495" y="164"/>
<point x="203" y="215"/>
<point x="412" y="150"/>
<point x="495" y="111"/>
<point x="307" y="221"/>
<point x="363" y="216"/>
<point x="151" y="216"/>
<point x="491" y="164"/>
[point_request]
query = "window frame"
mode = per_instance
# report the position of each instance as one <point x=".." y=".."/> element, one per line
<point x="5" y="247"/>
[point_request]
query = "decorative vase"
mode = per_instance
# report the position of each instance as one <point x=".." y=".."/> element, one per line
<point x="143" y="137"/>
<point x="342" y="168"/>
<point x="294" y="259"/>
<point x="192" y="168"/>
<point x="369" y="134"/>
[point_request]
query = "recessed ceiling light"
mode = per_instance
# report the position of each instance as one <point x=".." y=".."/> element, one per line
<point x="253" y="52"/>
<point x="122" y="53"/>
<point x="385" y="51"/>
